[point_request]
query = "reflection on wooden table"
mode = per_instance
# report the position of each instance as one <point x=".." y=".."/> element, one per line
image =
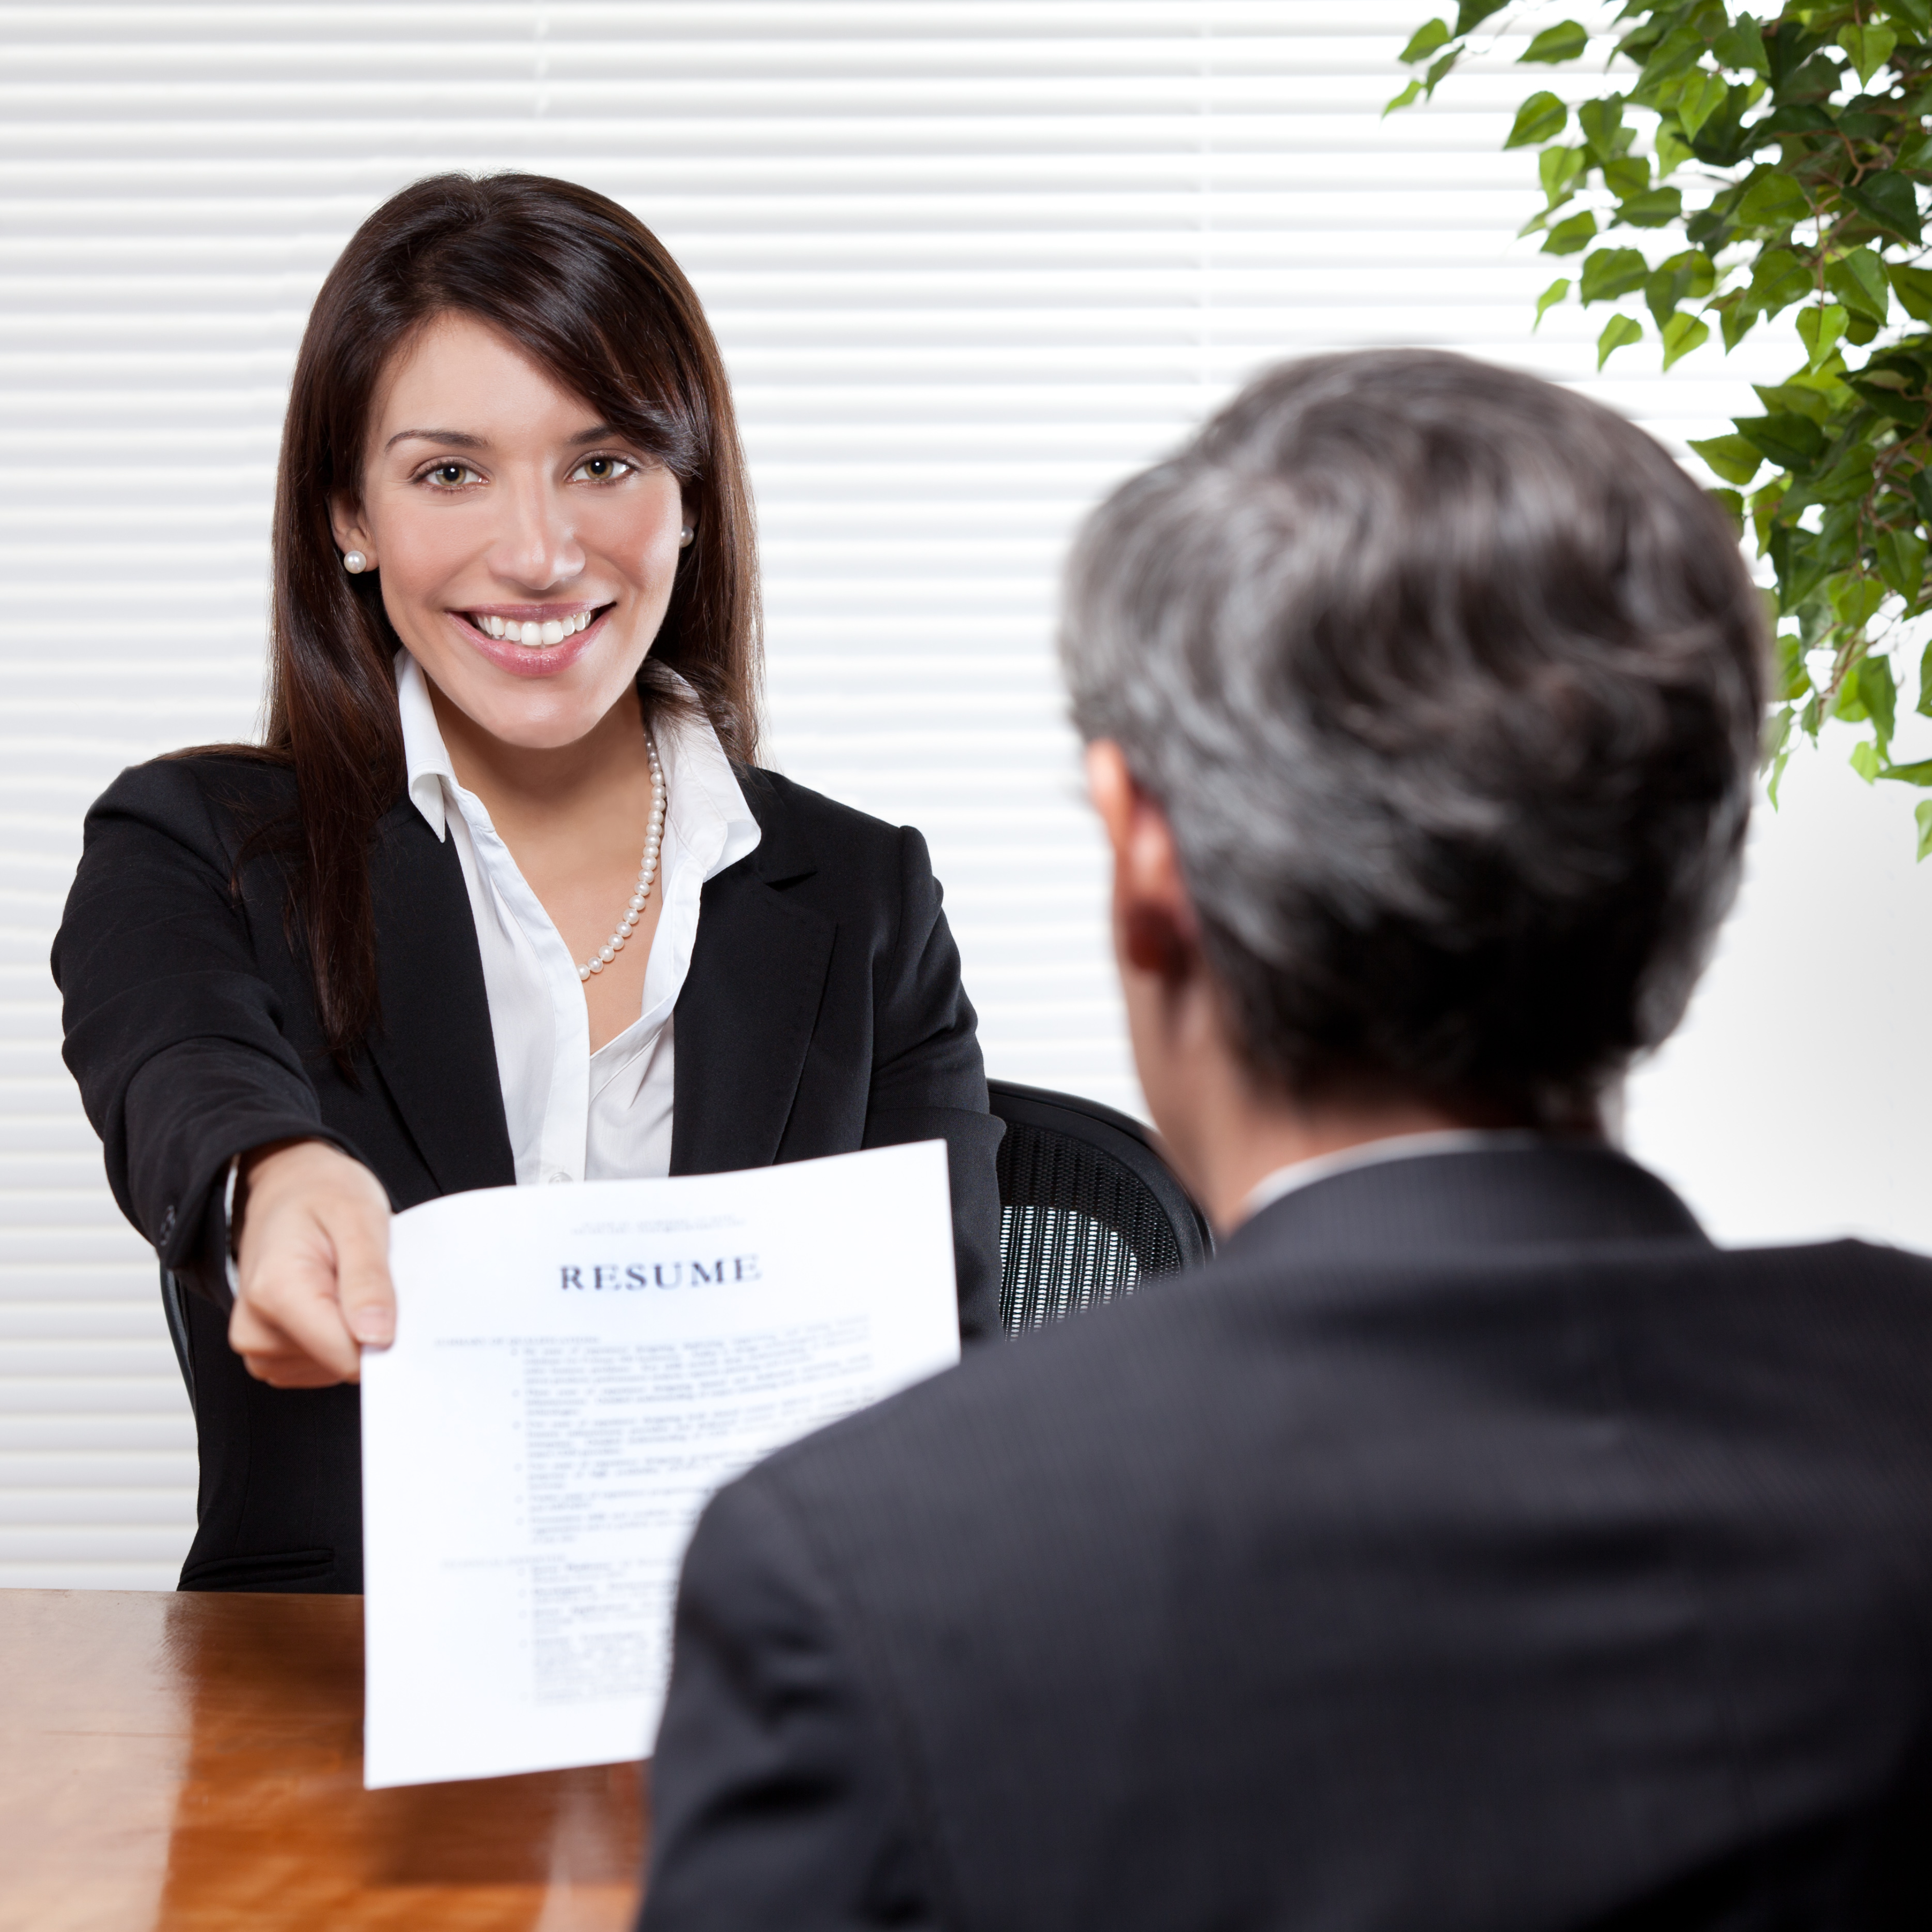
<point x="196" y="1761"/>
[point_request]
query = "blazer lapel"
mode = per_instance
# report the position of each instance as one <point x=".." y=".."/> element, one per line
<point x="433" y="1044"/>
<point x="745" y="1016"/>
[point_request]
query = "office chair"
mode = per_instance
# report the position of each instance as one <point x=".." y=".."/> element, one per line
<point x="1088" y="1210"/>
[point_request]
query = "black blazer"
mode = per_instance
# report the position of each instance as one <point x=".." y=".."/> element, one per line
<point x="823" y="1012"/>
<point x="1472" y="1545"/>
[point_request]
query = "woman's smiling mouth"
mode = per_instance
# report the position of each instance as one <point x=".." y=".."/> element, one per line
<point x="530" y="626"/>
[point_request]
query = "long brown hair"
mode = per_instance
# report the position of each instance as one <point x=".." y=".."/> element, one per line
<point x="585" y="289"/>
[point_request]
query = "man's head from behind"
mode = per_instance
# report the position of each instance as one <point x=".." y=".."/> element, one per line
<point x="1424" y="699"/>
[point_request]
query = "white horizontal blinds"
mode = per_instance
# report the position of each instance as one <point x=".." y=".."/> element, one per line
<point x="970" y="263"/>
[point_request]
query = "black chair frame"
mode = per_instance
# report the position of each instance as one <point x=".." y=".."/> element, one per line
<point x="1089" y="1209"/>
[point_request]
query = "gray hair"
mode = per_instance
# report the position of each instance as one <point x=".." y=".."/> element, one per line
<point x="1450" y="684"/>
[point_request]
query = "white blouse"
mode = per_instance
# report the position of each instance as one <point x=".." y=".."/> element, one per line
<point x="574" y="1114"/>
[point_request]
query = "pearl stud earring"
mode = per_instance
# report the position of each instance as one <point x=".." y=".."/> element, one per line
<point x="684" y="537"/>
<point x="355" y="563"/>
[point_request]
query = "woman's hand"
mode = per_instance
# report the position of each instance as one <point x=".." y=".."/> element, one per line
<point x="313" y="1263"/>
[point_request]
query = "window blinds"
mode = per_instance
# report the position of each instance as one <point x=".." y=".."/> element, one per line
<point x="969" y="263"/>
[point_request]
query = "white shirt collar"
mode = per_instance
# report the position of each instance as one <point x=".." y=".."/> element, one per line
<point x="425" y="757"/>
<point x="708" y="803"/>
<point x="1300" y="1174"/>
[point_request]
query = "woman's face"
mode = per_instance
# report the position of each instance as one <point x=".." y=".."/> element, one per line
<point x="526" y="550"/>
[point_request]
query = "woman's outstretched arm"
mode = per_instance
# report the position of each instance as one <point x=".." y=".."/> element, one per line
<point x="177" y="1041"/>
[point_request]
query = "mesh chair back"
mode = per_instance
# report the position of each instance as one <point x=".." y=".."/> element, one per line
<point x="1087" y="1209"/>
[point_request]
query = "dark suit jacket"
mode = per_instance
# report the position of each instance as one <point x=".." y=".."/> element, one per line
<point x="823" y="1012"/>
<point x="1471" y="1545"/>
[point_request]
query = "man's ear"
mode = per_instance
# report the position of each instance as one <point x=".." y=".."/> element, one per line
<point x="345" y="519"/>
<point x="1154" y="918"/>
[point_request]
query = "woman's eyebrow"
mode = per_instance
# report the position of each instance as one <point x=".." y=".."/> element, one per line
<point x="461" y="440"/>
<point x="456" y="437"/>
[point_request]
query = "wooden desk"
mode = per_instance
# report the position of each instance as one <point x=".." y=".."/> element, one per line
<point x="196" y="1761"/>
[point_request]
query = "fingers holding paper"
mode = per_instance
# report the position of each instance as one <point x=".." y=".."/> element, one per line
<point x="312" y="1266"/>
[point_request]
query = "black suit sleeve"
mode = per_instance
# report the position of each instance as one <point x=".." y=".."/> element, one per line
<point x="776" y="1799"/>
<point x="174" y="1036"/>
<point x="929" y="1082"/>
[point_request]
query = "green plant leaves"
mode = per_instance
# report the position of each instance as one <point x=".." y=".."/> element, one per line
<point x="1878" y="691"/>
<point x="1855" y="602"/>
<point x="1570" y="237"/>
<point x="1857" y="280"/>
<point x="1801" y="395"/>
<point x="1626" y="176"/>
<point x="1777" y="754"/>
<point x="1473" y="12"/>
<point x="1689" y="277"/>
<point x="1425" y="40"/>
<point x="1790" y="441"/>
<point x="1819" y="329"/>
<point x="1555" y="44"/>
<point x="1741" y="46"/>
<point x="1541" y="118"/>
<point x="1890" y="201"/>
<point x="1790" y="680"/>
<point x="1773" y="200"/>
<point x="1807" y="199"/>
<point x="1913" y="288"/>
<point x="1901" y="562"/>
<point x="1730" y="457"/>
<point x="1670" y="151"/>
<point x="1813" y="80"/>
<point x="1800" y="569"/>
<point x="1602" y="123"/>
<point x="1779" y="280"/>
<point x="1870" y="48"/>
<point x="1657" y="207"/>
<point x="1682" y="334"/>
<point x="1558" y="169"/>
<point x="1613" y="272"/>
<point x="1618" y="331"/>
<point x="1700" y="97"/>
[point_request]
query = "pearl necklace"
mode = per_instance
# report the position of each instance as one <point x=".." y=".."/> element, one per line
<point x="647" y="872"/>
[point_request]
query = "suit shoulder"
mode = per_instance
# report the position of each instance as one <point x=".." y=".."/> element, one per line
<point x="185" y="789"/>
<point x="1080" y="1394"/>
<point x="1850" y="1262"/>
<point x="833" y="830"/>
<point x="1199" y="1364"/>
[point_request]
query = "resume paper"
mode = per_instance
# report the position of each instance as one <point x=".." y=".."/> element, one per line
<point x="576" y="1369"/>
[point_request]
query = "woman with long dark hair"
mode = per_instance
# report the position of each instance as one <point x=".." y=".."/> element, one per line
<point x="503" y="895"/>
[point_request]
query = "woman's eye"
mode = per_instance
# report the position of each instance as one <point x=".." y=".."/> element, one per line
<point x="450" y="475"/>
<point x="603" y="469"/>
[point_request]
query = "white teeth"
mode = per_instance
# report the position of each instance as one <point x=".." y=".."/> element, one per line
<point x="536" y="633"/>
